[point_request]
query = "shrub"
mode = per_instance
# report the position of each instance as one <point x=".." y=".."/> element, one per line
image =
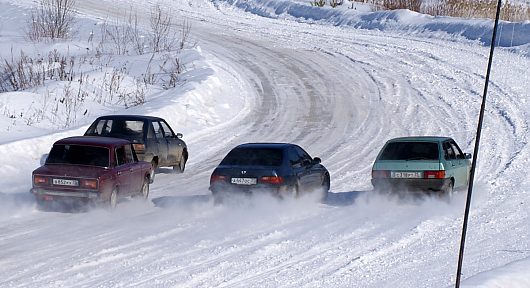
<point x="51" y="19"/>
<point x="318" y="3"/>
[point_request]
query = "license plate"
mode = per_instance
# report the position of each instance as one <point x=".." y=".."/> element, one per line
<point x="413" y="175"/>
<point x="244" y="181"/>
<point x="65" y="182"/>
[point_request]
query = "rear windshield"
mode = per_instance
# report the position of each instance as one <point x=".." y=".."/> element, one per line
<point x="410" y="151"/>
<point x="127" y="129"/>
<point x="79" y="155"/>
<point x="254" y="157"/>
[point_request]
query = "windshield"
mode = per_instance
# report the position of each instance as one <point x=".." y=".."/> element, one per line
<point x="79" y="155"/>
<point x="128" y="129"/>
<point x="410" y="151"/>
<point x="254" y="157"/>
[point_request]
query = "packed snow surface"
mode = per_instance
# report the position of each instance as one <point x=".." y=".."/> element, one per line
<point x="337" y="82"/>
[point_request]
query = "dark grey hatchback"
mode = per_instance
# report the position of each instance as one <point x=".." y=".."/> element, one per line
<point x="281" y="169"/>
<point x="153" y="139"/>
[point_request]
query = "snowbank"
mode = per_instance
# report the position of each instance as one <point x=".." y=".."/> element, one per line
<point x="511" y="34"/>
<point x="513" y="275"/>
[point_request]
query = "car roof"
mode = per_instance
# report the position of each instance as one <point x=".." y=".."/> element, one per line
<point x="130" y="117"/>
<point x="93" y="141"/>
<point x="420" y="139"/>
<point x="265" y="145"/>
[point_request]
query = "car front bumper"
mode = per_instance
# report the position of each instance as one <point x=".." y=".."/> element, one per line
<point x="392" y="184"/>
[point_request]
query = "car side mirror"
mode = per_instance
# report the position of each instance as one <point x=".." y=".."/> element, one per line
<point x="316" y="161"/>
<point x="179" y="135"/>
<point x="467" y="155"/>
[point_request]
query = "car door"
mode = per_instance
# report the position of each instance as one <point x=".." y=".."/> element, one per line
<point x="462" y="167"/>
<point x="136" y="176"/>
<point x="175" y="145"/>
<point x="161" y="143"/>
<point x="299" y="171"/>
<point x="453" y="164"/>
<point x="310" y="175"/>
<point x="123" y="170"/>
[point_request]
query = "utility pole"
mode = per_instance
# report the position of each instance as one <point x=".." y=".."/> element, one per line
<point x="475" y="152"/>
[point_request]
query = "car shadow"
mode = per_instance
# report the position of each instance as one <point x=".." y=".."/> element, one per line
<point x="343" y="198"/>
<point x="179" y="201"/>
<point x="165" y="170"/>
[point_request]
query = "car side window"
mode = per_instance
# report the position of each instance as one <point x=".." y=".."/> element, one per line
<point x="103" y="127"/>
<point x="167" y="131"/>
<point x="150" y="131"/>
<point x="449" y="153"/>
<point x="159" y="133"/>
<point x="458" y="152"/>
<point x="304" y="157"/>
<point x="121" y="157"/>
<point x="294" y="158"/>
<point x="129" y="156"/>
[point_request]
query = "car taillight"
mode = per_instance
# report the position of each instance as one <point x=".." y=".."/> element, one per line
<point x="380" y="174"/>
<point x="271" y="179"/>
<point x="89" y="184"/>
<point x="434" y="174"/>
<point x="39" y="180"/>
<point x="218" y="178"/>
<point x="139" y="148"/>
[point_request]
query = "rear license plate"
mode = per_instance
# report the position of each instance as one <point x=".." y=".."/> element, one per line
<point x="65" y="182"/>
<point x="407" y="175"/>
<point x="244" y="181"/>
<point x="47" y="198"/>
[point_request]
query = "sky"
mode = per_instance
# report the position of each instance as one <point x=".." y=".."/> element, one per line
<point x="338" y="82"/>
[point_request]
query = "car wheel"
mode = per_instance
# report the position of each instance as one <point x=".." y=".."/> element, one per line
<point x="326" y="184"/>
<point x="295" y="191"/>
<point x="180" y="168"/>
<point x="448" y="191"/>
<point x="145" y="188"/>
<point x="152" y="176"/>
<point x="113" y="199"/>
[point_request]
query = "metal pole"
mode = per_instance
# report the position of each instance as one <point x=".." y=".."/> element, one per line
<point x="475" y="152"/>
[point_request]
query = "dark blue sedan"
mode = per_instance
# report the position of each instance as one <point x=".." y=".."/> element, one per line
<point x="281" y="169"/>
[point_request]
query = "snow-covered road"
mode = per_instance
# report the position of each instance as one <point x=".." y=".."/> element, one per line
<point x="340" y="93"/>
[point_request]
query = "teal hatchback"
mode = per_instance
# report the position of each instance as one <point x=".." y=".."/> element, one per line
<point x="421" y="163"/>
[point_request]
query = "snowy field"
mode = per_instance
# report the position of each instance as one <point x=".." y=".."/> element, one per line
<point x="339" y="83"/>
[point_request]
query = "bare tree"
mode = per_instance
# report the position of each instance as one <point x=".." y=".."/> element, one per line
<point x="52" y="19"/>
<point x="160" y="28"/>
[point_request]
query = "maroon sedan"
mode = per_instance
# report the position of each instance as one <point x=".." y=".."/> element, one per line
<point x="88" y="169"/>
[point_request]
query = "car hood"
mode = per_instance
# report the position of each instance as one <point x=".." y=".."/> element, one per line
<point x="70" y="171"/>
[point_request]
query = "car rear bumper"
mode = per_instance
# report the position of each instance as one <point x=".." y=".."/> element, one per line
<point x="410" y="184"/>
<point x="229" y="189"/>
<point x="44" y="194"/>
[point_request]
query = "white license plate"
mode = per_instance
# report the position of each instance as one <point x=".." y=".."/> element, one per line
<point x="244" y="181"/>
<point x="413" y="175"/>
<point x="65" y="182"/>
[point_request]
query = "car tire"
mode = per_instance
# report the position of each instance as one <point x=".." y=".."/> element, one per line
<point x="448" y="191"/>
<point x="180" y="168"/>
<point x="326" y="184"/>
<point x="295" y="191"/>
<point x="144" y="192"/>
<point x="113" y="199"/>
<point x="152" y="176"/>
